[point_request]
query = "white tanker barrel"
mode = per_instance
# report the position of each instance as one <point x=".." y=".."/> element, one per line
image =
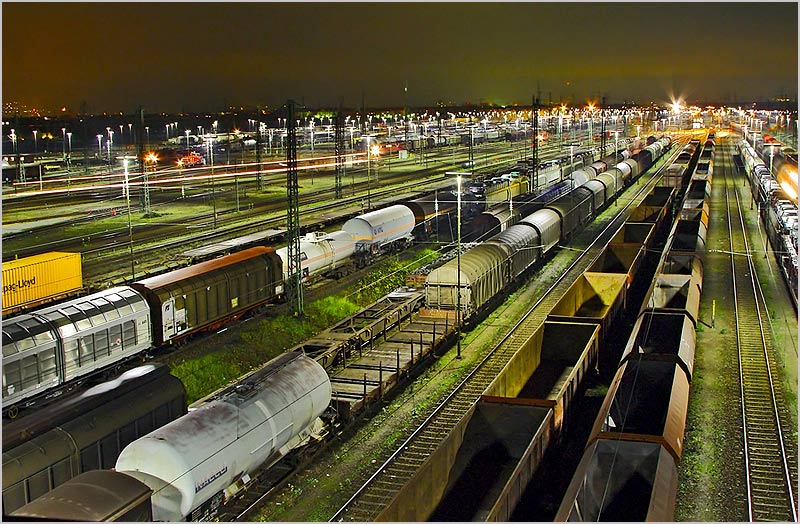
<point x="342" y="244"/>
<point x="192" y="459"/>
<point x="373" y="229"/>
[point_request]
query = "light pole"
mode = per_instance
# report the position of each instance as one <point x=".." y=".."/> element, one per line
<point x="369" y="158"/>
<point x="69" y="156"/>
<point x="458" y="268"/>
<point x="213" y="200"/>
<point x="20" y="172"/>
<point x="147" y="130"/>
<point x="130" y="225"/>
<point x="109" y="144"/>
<point x="99" y="146"/>
<point x="35" y="148"/>
<point x="64" y="143"/>
<point x="771" y="154"/>
<point x="187" y="139"/>
<point x="571" y="148"/>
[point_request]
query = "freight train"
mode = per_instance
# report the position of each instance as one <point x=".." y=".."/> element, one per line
<point x="777" y="201"/>
<point x="185" y="455"/>
<point x="489" y="268"/>
<point x="185" y="469"/>
<point x="629" y="469"/>
<point x="530" y="401"/>
<point x="85" y="432"/>
<point x="59" y="344"/>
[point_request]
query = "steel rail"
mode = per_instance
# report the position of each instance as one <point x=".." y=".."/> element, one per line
<point x="769" y="496"/>
<point x="363" y="506"/>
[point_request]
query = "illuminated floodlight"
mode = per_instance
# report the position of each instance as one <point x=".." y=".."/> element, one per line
<point x="789" y="190"/>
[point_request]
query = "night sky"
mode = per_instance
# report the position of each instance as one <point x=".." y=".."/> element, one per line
<point x="204" y="56"/>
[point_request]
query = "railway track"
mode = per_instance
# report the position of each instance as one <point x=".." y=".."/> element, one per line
<point x="104" y="205"/>
<point x="114" y="264"/>
<point x="107" y="256"/>
<point x="376" y="494"/>
<point x="119" y="236"/>
<point x="768" y="454"/>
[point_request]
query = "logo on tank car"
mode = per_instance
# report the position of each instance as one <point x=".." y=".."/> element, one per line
<point x="210" y="479"/>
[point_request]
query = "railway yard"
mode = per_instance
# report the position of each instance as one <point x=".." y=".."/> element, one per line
<point x="608" y="332"/>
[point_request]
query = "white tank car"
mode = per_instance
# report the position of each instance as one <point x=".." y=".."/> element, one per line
<point x="192" y="460"/>
<point x="375" y="229"/>
<point x="319" y="253"/>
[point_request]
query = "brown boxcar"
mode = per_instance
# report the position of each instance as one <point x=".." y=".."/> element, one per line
<point x="94" y="496"/>
<point x="207" y="295"/>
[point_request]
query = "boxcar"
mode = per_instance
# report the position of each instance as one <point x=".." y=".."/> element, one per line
<point x="85" y="432"/>
<point x="575" y="209"/>
<point x="58" y="344"/>
<point x="548" y="224"/>
<point x="208" y="294"/>
<point x="484" y="273"/>
<point x="522" y="242"/>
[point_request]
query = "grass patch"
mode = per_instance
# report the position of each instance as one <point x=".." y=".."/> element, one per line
<point x="258" y="344"/>
<point x="267" y="338"/>
<point x="178" y="213"/>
